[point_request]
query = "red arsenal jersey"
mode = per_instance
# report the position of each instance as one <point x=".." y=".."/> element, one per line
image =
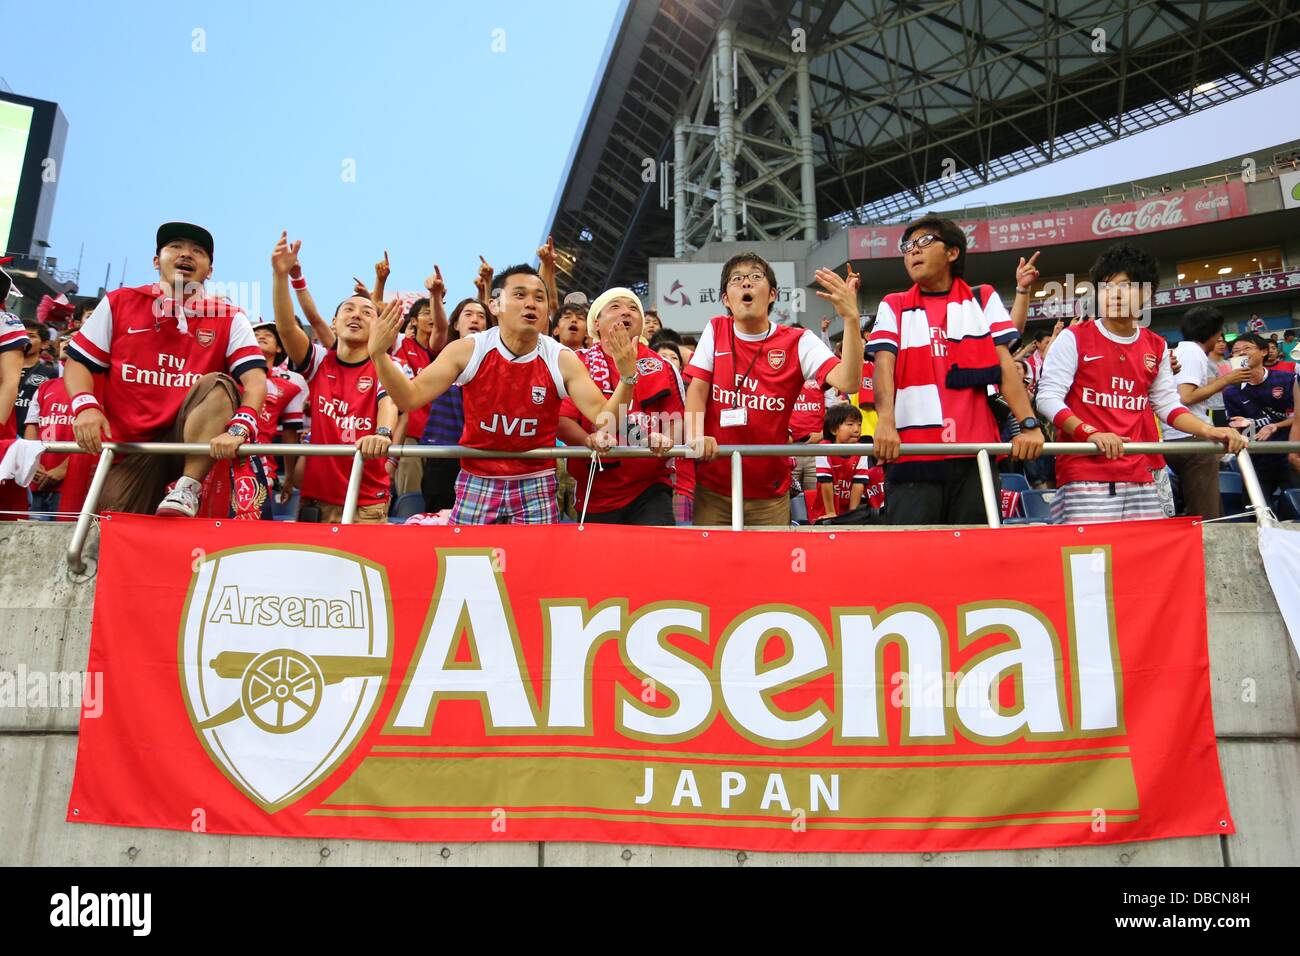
<point x="809" y="413"/>
<point x="512" y="403"/>
<point x="153" y="354"/>
<point x="875" y="482"/>
<point x="658" y="392"/>
<point x="13" y="336"/>
<point x="867" y="394"/>
<point x="762" y="374"/>
<point x="49" y="411"/>
<point x="1113" y="385"/>
<point x="286" y="398"/>
<point x="416" y="357"/>
<point x="841" y="473"/>
<point x="345" y="408"/>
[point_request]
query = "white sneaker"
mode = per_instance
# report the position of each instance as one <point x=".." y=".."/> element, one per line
<point x="182" y="499"/>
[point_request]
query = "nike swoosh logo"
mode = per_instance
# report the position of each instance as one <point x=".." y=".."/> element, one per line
<point x="1091" y="358"/>
<point x="722" y="353"/>
<point x="134" y="331"/>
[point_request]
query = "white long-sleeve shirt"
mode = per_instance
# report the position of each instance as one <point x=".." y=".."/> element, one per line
<point x="1061" y="367"/>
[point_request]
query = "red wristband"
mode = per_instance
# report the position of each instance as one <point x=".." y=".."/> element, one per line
<point x="298" y="284"/>
<point x="1085" y="430"/>
<point x="244" y="416"/>
<point x="82" y="402"/>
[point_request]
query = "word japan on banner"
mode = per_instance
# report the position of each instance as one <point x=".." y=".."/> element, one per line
<point x="444" y="684"/>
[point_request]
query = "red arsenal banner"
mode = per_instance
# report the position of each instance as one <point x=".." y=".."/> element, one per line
<point x="1125" y="220"/>
<point x="872" y="690"/>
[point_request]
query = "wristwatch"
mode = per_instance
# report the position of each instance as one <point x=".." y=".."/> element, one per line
<point x="630" y="379"/>
<point x="384" y="431"/>
<point x="1027" y="423"/>
<point x="239" y="429"/>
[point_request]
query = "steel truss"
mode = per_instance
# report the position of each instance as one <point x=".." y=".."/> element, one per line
<point x="762" y="118"/>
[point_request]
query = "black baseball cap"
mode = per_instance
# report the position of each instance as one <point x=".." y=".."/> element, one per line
<point x="184" y="230"/>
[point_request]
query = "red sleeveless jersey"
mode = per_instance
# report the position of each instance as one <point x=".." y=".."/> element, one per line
<point x="512" y="403"/>
<point x="1112" y="393"/>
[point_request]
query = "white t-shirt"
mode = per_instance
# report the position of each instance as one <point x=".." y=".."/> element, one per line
<point x="1197" y="369"/>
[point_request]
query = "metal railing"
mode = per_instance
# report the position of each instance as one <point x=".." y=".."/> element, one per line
<point x="982" y="452"/>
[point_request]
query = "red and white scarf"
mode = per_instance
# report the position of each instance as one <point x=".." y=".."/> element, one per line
<point x="597" y="363"/>
<point x="970" y="347"/>
<point x="598" y="367"/>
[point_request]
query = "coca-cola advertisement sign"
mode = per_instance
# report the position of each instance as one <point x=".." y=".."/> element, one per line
<point x="1148" y="217"/>
<point x="1111" y="221"/>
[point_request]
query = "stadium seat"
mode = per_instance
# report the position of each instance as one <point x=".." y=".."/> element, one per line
<point x="405" y="506"/>
<point x="1289" y="509"/>
<point x="1036" y="505"/>
<point x="1231" y="493"/>
<point x="1230" y="482"/>
<point x="1014" y="481"/>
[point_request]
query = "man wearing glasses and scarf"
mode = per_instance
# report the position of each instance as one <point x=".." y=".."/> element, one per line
<point x="937" y="348"/>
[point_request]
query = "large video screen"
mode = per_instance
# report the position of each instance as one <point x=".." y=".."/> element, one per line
<point x="15" y="128"/>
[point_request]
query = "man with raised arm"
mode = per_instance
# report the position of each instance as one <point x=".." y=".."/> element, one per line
<point x="424" y="334"/>
<point x="938" y="347"/>
<point x="632" y="490"/>
<point x="513" y="379"/>
<point x="745" y="376"/>
<point x="349" y="406"/>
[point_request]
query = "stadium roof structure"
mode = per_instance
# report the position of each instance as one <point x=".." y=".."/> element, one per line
<point x="779" y="119"/>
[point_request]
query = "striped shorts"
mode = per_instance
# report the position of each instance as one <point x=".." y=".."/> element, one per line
<point x="1092" y="502"/>
<point x="481" y="500"/>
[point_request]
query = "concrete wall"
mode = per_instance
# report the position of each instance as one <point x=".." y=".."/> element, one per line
<point x="45" y="626"/>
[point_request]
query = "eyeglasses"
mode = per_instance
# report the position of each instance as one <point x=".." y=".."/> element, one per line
<point x="754" y="277"/>
<point x="907" y="245"/>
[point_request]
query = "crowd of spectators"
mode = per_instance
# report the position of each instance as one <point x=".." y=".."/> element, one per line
<point x="515" y="368"/>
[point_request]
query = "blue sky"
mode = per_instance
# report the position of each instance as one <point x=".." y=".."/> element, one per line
<point x="458" y="150"/>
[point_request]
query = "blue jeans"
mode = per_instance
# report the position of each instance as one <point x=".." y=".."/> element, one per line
<point x="44" y="501"/>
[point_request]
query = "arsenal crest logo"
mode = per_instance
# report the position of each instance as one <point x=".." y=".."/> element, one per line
<point x="1149" y="360"/>
<point x="1279" y="391"/>
<point x="205" y="337"/>
<point x="365" y="383"/>
<point x="776" y="359"/>
<point x="648" y="366"/>
<point x="283" y="657"/>
<point x="539" y="394"/>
